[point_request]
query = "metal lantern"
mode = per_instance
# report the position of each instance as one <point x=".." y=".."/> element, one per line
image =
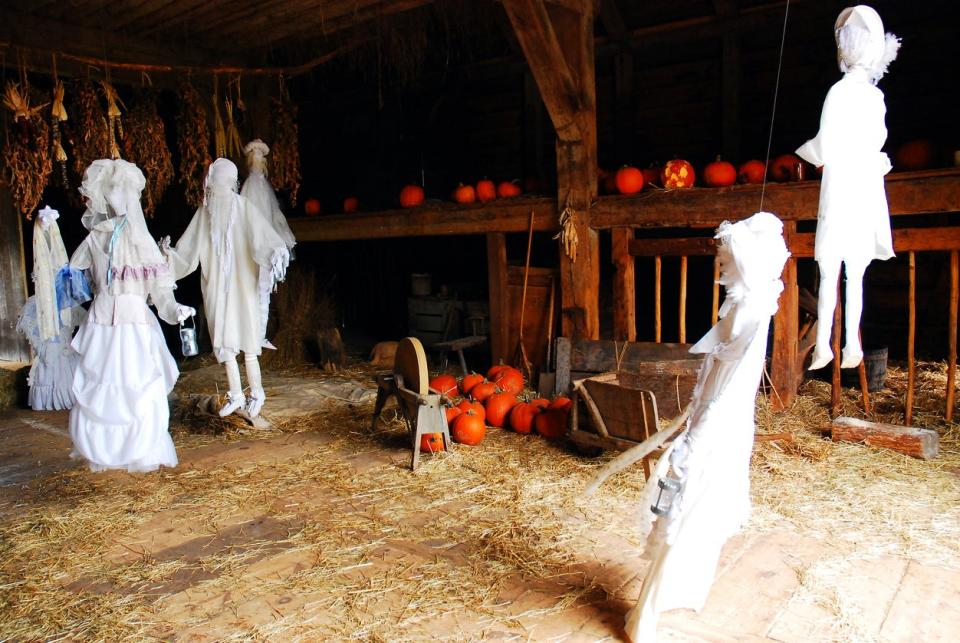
<point x="669" y="488"/>
<point x="188" y="339"/>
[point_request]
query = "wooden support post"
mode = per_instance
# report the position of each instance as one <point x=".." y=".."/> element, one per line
<point x="785" y="371"/>
<point x="911" y="339"/>
<point x="864" y="384"/>
<point x="624" y="286"/>
<point x="657" y="321"/>
<point x="497" y="288"/>
<point x="682" y="331"/>
<point x="835" y="345"/>
<point x="952" y="333"/>
<point x="715" y="307"/>
<point x="557" y="42"/>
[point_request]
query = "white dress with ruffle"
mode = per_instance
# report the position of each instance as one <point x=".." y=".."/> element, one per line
<point x="54" y="361"/>
<point x="126" y="371"/>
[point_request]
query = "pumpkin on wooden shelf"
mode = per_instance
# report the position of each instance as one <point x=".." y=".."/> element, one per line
<point x="509" y="189"/>
<point x="678" y="174"/>
<point x="719" y="174"/>
<point x="498" y="407"/>
<point x="629" y="180"/>
<point x="476" y="407"/>
<point x="411" y="196"/>
<point x="468" y="428"/>
<point x="351" y="204"/>
<point x="481" y="392"/>
<point x="653" y="175"/>
<point x="311" y="207"/>
<point x="486" y="191"/>
<point x="469" y="381"/>
<point x="752" y="171"/>
<point x="509" y="380"/>
<point x="464" y="194"/>
<point x="444" y="385"/>
<point x="431" y="442"/>
<point x="787" y="168"/>
<point x="914" y="155"/>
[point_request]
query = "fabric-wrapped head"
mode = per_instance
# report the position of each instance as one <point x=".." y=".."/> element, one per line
<point x="752" y="253"/>
<point x="862" y="43"/>
<point x="125" y="186"/>
<point x="222" y="177"/>
<point x="96" y="178"/>
<point x="256" y="151"/>
<point x="47" y="215"/>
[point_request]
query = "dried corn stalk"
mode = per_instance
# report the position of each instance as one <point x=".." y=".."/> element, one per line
<point x="568" y="232"/>
<point x="193" y="140"/>
<point x="285" y="155"/>
<point x="87" y="133"/>
<point x="58" y="114"/>
<point x="26" y="154"/>
<point x="114" y="124"/>
<point x="234" y="146"/>
<point x="145" y="143"/>
<point x="219" y="133"/>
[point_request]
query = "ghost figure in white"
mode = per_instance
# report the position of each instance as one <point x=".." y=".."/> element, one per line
<point x="232" y="242"/>
<point x="258" y="190"/>
<point x="853" y="224"/>
<point x="707" y="467"/>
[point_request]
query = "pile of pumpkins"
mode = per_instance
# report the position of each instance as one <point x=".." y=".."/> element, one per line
<point x="498" y="400"/>
<point x="484" y="191"/>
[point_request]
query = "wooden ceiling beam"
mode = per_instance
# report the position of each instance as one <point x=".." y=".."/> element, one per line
<point x="267" y="14"/>
<point x="560" y="94"/>
<point x="612" y="20"/>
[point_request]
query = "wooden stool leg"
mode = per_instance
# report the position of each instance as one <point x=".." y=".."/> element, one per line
<point x="463" y="361"/>
<point x="382" y="396"/>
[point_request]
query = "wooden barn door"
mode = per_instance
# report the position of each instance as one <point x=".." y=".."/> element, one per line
<point x="13" y="282"/>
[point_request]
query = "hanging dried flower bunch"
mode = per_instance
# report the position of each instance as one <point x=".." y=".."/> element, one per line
<point x="87" y="133"/>
<point x="26" y="154"/>
<point x="193" y="140"/>
<point x="114" y="124"/>
<point x="219" y="133"/>
<point x="234" y="146"/>
<point x="145" y="143"/>
<point x="285" y="155"/>
<point x="58" y="114"/>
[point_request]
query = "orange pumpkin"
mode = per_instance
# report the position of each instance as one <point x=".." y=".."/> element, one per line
<point x="464" y="194"/>
<point x="752" y="171"/>
<point x="719" y="174"/>
<point x="486" y="191"/>
<point x="498" y="406"/>
<point x="560" y="402"/>
<point x="551" y="423"/>
<point x="509" y="189"/>
<point x="787" y="167"/>
<point x="451" y="413"/>
<point x="351" y="204"/>
<point x="444" y="385"/>
<point x="652" y="176"/>
<point x="678" y="174"/>
<point x="509" y="380"/>
<point x="431" y="442"/>
<point x="469" y="381"/>
<point x="629" y="180"/>
<point x="411" y="196"/>
<point x="466" y="406"/>
<point x="914" y="155"/>
<point x="468" y="429"/>
<point x="481" y="392"/>
<point x="311" y="207"/>
<point x="522" y="416"/>
<point x="493" y="371"/>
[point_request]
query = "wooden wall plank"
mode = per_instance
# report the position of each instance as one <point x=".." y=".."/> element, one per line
<point x="13" y="347"/>
<point x="624" y="286"/>
<point x="497" y="289"/>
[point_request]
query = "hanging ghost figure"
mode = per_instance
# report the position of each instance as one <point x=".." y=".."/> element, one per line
<point x="258" y="190"/>
<point x="853" y="224"/>
<point x="231" y="241"/>
<point x="699" y="493"/>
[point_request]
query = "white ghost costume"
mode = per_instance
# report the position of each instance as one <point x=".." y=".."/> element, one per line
<point x="231" y="241"/>
<point x="121" y="416"/>
<point x="48" y="329"/>
<point x="709" y="461"/>
<point x="258" y="190"/>
<point x="853" y="223"/>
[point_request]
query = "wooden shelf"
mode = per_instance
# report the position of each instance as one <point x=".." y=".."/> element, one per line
<point x="927" y="192"/>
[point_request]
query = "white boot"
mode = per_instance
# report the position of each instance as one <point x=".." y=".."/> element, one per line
<point x="235" y="397"/>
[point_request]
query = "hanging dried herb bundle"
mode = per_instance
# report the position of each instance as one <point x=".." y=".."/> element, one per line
<point x="87" y="133"/>
<point x="114" y="124"/>
<point x="234" y="146"/>
<point x="145" y="143"/>
<point x="58" y="114"/>
<point x="285" y="155"/>
<point x="219" y="133"/>
<point x="26" y="154"/>
<point x="193" y="137"/>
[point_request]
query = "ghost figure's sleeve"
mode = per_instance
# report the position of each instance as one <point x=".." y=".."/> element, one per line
<point x="71" y="284"/>
<point x="267" y="249"/>
<point x="184" y="258"/>
<point x="167" y="307"/>
<point x="814" y="150"/>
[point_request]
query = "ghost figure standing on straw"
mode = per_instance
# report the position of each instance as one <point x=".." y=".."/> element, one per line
<point x="853" y="224"/>
<point x="232" y="242"/>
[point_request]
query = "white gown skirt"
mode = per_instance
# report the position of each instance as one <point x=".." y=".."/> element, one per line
<point x="121" y="416"/>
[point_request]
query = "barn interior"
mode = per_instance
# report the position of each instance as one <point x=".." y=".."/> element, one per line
<point x="309" y="523"/>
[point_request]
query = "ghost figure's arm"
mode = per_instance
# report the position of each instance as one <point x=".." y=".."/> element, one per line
<point x="167" y="307"/>
<point x="184" y="258"/>
<point x="267" y="249"/>
<point x="816" y="150"/>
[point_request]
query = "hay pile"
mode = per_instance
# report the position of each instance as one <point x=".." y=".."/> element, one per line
<point x="480" y="518"/>
<point x="300" y="310"/>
